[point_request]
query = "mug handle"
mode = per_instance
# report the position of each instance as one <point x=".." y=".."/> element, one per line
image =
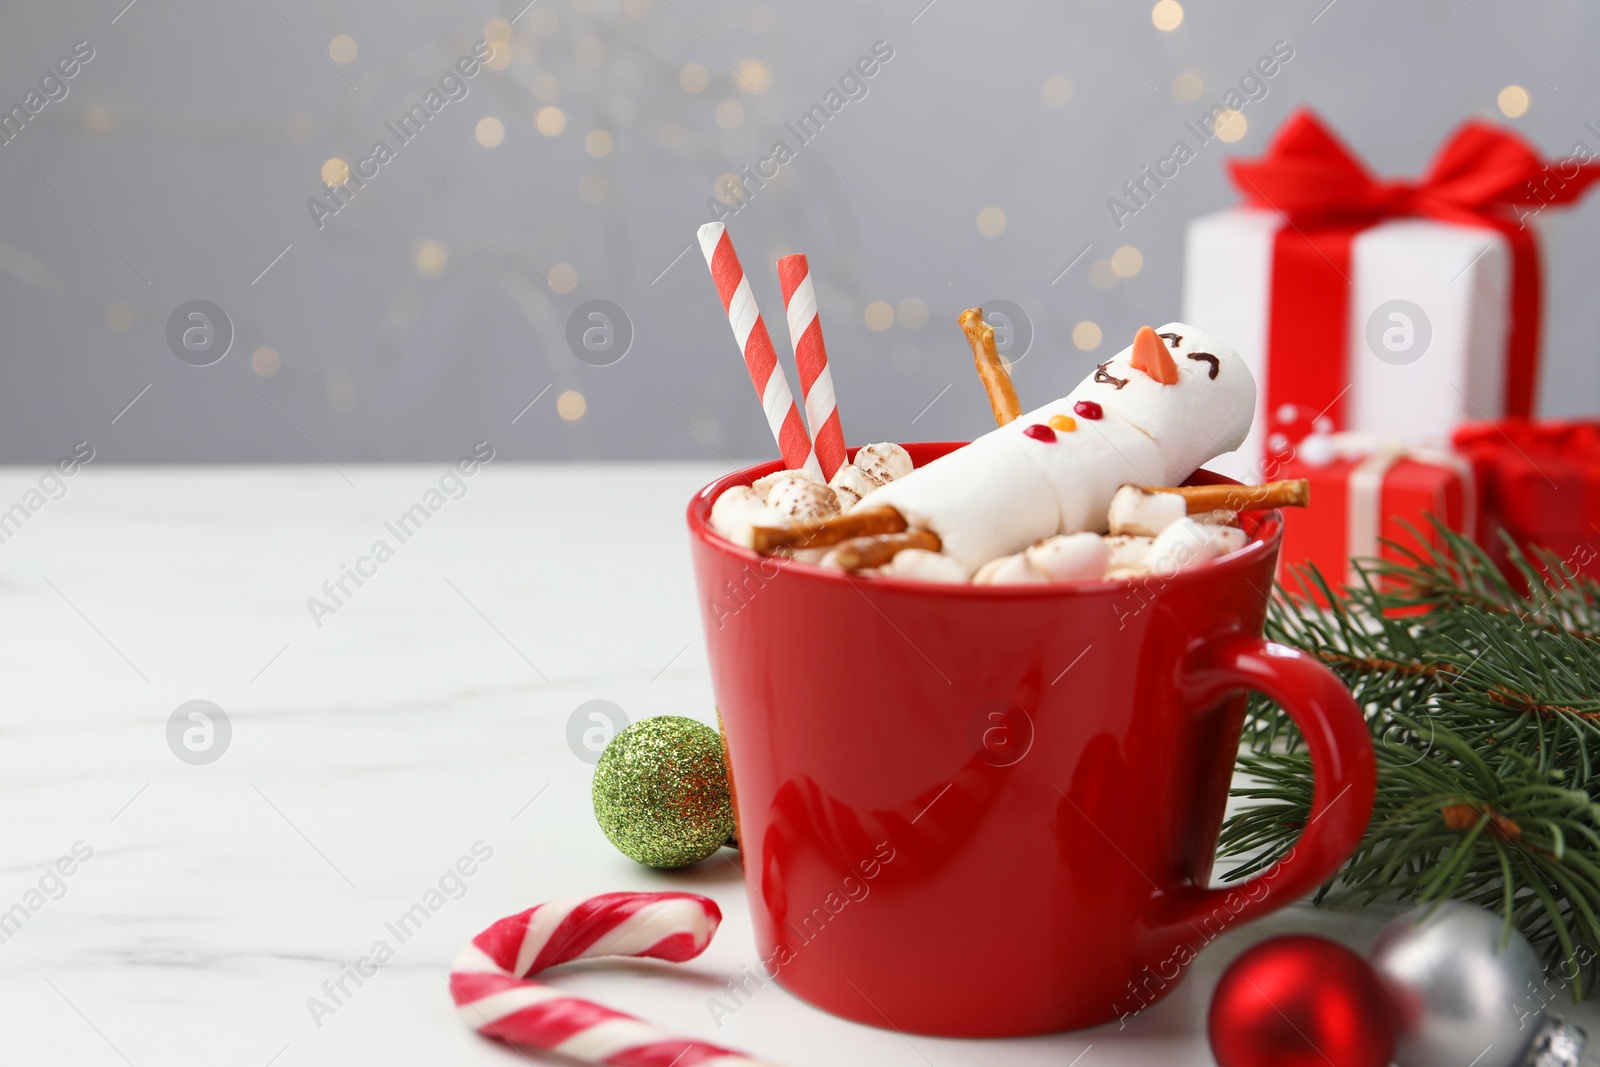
<point x="1342" y="763"/>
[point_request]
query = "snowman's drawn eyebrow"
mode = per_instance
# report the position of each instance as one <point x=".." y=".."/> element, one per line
<point x="1216" y="364"/>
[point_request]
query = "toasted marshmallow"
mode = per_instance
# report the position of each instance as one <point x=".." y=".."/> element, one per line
<point x="1143" y="512"/>
<point x="802" y="500"/>
<point x="883" y="462"/>
<point x="764" y="486"/>
<point x="850" y="483"/>
<point x="924" y="566"/>
<point x="875" y="465"/>
<point x="1076" y="557"/>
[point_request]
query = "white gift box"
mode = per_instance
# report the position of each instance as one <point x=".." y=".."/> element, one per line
<point x="1457" y="277"/>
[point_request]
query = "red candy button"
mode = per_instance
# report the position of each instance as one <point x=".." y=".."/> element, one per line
<point x="1088" y="409"/>
<point x="1040" y="432"/>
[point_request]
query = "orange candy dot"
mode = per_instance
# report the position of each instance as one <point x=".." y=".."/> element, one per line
<point x="1064" y="423"/>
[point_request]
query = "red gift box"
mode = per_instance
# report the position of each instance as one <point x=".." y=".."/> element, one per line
<point x="1541" y="485"/>
<point x="1365" y="492"/>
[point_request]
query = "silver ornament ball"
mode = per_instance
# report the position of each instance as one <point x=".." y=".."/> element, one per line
<point x="1460" y="997"/>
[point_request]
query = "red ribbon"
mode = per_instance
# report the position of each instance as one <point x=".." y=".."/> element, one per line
<point x="1482" y="177"/>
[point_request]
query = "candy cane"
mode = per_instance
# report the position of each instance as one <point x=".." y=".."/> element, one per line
<point x="493" y="996"/>
<point x="811" y="357"/>
<point x="759" y="356"/>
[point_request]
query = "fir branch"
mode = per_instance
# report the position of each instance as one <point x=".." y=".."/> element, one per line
<point x="1484" y="705"/>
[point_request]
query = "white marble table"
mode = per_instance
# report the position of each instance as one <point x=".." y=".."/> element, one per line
<point x="427" y="713"/>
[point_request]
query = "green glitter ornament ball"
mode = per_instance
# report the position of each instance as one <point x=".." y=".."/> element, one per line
<point x="661" y="792"/>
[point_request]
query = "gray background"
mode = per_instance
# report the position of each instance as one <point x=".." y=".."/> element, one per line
<point x="194" y="139"/>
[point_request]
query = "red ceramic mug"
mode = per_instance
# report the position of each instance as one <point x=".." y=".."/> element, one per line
<point x="984" y="811"/>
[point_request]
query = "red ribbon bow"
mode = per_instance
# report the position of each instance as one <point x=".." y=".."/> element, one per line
<point x="1484" y="176"/>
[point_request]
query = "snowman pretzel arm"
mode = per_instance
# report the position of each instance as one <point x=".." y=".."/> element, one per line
<point x="1292" y="493"/>
<point x="861" y="522"/>
<point x="864" y="553"/>
<point x="991" y="370"/>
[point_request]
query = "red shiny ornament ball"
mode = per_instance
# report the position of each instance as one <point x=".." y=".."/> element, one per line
<point x="1301" y="1001"/>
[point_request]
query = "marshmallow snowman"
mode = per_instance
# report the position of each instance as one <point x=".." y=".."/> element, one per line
<point x="1150" y="415"/>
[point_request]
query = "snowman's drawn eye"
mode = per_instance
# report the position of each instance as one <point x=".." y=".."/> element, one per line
<point x="1105" y="377"/>
<point x="1173" y="339"/>
<point x="1216" y="364"/>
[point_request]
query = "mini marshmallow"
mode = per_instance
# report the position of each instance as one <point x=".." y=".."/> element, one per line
<point x="731" y="512"/>
<point x="1009" y="570"/>
<point x="924" y="566"/>
<point x="740" y="526"/>
<point x="1226" y="538"/>
<point x="1185" y="543"/>
<point x="764" y="486"/>
<point x="883" y="462"/>
<point x="1139" y="511"/>
<point x="735" y="500"/>
<point x="1126" y="552"/>
<point x="851" y="483"/>
<point x="1074" y="557"/>
<point x="802" y="500"/>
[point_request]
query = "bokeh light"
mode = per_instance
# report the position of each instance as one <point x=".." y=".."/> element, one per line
<point x="754" y="77"/>
<point x="1187" y="87"/>
<point x="1126" y="261"/>
<point x="912" y="313"/>
<point x="1230" y="126"/>
<point x="265" y="362"/>
<point x="563" y="278"/>
<point x="1057" y="90"/>
<point x="432" y="256"/>
<point x="550" y="121"/>
<point x="571" y="405"/>
<point x="1513" y="101"/>
<point x="693" y="78"/>
<point x="489" y="131"/>
<point x="342" y="49"/>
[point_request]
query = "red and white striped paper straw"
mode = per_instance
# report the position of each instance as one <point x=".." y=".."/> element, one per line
<point x="811" y="356"/>
<point x="489" y="979"/>
<point x="759" y="355"/>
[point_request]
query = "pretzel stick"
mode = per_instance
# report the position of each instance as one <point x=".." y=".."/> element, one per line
<point x="996" y="379"/>
<point x="861" y="553"/>
<point x="828" y="531"/>
<point x="1201" y="498"/>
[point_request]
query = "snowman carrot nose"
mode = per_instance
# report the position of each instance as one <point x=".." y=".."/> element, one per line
<point x="1151" y="356"/>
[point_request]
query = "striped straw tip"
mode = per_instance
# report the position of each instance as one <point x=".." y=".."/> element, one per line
<point x="709" y="235"/>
